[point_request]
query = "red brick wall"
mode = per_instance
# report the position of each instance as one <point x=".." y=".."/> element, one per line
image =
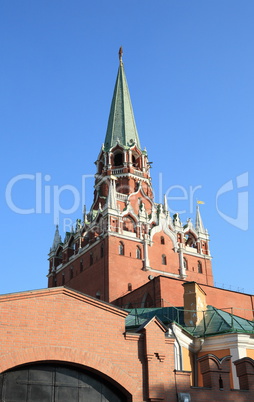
<point x="92" y="278"/>
<point x="169" y="292"/>
<point x="242" y="304"/>
<point x="192" y="273"/>
<point x="157" y="249"/>
<point x="62" y="325"/>
<point x="124" y="269"/>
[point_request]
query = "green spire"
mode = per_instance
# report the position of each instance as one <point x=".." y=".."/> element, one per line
<point x="121" y="122"/>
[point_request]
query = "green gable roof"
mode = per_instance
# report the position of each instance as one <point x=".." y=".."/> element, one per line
<point x="214" y="321"/>
<point x="121" y="122"/>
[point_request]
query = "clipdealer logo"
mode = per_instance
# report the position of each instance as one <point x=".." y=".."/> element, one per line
<point x="241" y="221"/>
<point x="48" y="198"/>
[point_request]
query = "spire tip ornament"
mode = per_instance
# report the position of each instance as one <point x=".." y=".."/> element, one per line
<point x="120" y="54"/>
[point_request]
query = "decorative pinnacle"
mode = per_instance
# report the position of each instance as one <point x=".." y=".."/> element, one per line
<point x="120" y="54"/>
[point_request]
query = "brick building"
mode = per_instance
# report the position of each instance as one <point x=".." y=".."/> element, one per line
<point x="130" y="313"/>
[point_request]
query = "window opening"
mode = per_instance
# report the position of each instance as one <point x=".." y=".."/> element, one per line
<point x="200" y="270"/>
<point x="91" y="258"/>
<point x="138" y="253"/>
<point x="118" y="159"/>
<point x="121" y="248"/>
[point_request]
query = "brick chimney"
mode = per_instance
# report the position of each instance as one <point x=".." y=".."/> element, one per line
<point x="194" y="303"/>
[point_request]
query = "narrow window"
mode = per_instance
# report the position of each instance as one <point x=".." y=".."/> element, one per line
<point x="121" y="248"/>
<point x="81" y="265"/>
<point x="71" y="273"/>
<point x="185" y="263"/>
<point x="63" y="279"/>
<point x="98" y="295"/>
<point x="162" y="240"/>
<point x="129" y="287"/>
<point x="91" y="258"/>
<point x="138" y="253"/>
<point x="200" y="270"/>
<point x="102" y="250"/>
<point x="163" y="259"/>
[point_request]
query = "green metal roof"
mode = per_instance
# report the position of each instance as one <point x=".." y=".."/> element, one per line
<point x="138" y="316"/>
<point x="217" y="321"/>
<point x="214" y="321"/>
<point x="121" y="123"/>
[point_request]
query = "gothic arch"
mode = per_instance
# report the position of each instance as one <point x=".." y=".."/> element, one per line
<point x="129" y="223"/>
<point x="131" y="214"/>
<point x="190" y="238"/>
<point x="117" y="156"/>
<point x="70" y="356"/>
<point x="141" y="191"/>
<point x="59" y="251"/>
<point x="159" y="228"/>
<point x="192" y="231"/>
<point x="135" y="150"/>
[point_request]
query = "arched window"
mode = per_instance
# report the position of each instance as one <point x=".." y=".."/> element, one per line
<point x="118" y="159"/>
<point x="162" y="240"/>
<point x="190" y="240"/>
<point x="91" y="258"/>
<point x="200" y="270"/>
<point x="129" y="224"/>
<point x="185" y="263"/>
<point x="129" y="287"/>
<point x="163" y="259"/>
<point x="138" y="252"/>
<point x="121" y="248"/>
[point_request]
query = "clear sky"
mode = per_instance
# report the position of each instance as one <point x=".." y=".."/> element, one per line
<point x="190" y="71"/>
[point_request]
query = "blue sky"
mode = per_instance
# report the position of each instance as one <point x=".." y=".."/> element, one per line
<point x="189" y="66"/>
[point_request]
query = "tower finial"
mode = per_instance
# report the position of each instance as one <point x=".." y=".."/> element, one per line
<point x="121" y="122"/>
<point x="120" y="53"/>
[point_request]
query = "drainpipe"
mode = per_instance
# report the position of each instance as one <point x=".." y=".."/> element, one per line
<point x="180" y="349"/>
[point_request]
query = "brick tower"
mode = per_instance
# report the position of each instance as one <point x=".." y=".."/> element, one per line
<point x="127" y="238"/>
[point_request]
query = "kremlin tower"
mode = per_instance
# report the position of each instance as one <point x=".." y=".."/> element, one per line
<point x="127" y="239"/>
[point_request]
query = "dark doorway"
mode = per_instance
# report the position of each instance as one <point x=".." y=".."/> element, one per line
<point x="56" y="383"/>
